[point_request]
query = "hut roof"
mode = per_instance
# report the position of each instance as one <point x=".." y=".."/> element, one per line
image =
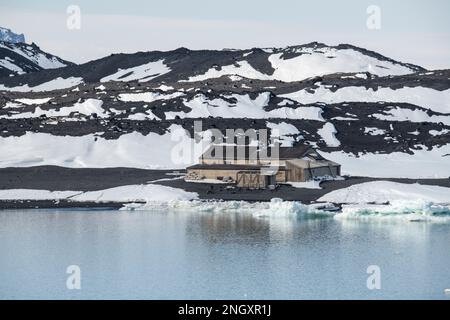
<point x="241" y="152"/>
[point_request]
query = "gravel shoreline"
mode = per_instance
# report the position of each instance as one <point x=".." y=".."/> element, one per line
<point x="54" y="178"/>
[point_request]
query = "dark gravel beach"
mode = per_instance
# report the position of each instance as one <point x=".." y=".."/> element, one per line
<point x="63" y="179"/>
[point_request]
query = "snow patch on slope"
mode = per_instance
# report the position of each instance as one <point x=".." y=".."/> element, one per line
<point x="421" y="164"/>
<point x="314" y="63"/>
<point x="55" y="84"/>
<point x="8" y="63"/>
<point x="145" y="72"/>
<point x="419" y="116"/>
<point x="328" y="134"/>
<point x="310" y="63"/>
<point x="435" y="100"/>
<point x="132" y="150"/>
<point x="28" y="101"/>
<point x="87" y="108"/>
<point x="147" y="96"/>
<point x="245" y="107"/>
<point x="284" y="131"/>
<point x="243" y="69"/>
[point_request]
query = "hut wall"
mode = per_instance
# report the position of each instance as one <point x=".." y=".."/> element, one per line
<point x="280" y="175"/>
<point x="214" y="174"/>
<point x="298" y="172"/>
<point x="253" y="180"/>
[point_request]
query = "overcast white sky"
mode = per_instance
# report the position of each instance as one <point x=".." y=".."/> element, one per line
<point x="413" y="31"/>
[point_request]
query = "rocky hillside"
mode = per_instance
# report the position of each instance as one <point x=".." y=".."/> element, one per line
<point x="374" y="115"/>
<point x="21" y="58"/>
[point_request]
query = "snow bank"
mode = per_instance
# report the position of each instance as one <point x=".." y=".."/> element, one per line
<point x="147" y="193"/>
<point x="421" y="164"/>
<point x="386" y="191"/>
<point x="29" y="194"/>
<point x="129" y="150"/>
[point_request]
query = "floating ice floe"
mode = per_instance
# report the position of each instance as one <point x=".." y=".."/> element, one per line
<point x="391" y="200"/>
<point x="274" y="208"/>
<point x="408" y="210"/>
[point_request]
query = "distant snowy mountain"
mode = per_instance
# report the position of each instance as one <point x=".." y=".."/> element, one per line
<point x="357" y="107"/>
<point x="288" y="64"/>
<point x="22" y="58"/>
<point x="7" y="35"/>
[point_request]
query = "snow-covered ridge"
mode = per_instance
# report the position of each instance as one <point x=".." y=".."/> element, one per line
<point x="310" y="62"/>
<point x="22" y="58"/>
<point x="34" y="54"/>
<point x="286" y="64"/>
<point x="7" y="35"/>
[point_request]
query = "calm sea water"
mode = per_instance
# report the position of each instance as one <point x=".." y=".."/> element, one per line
<point x="163" y="255"/>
